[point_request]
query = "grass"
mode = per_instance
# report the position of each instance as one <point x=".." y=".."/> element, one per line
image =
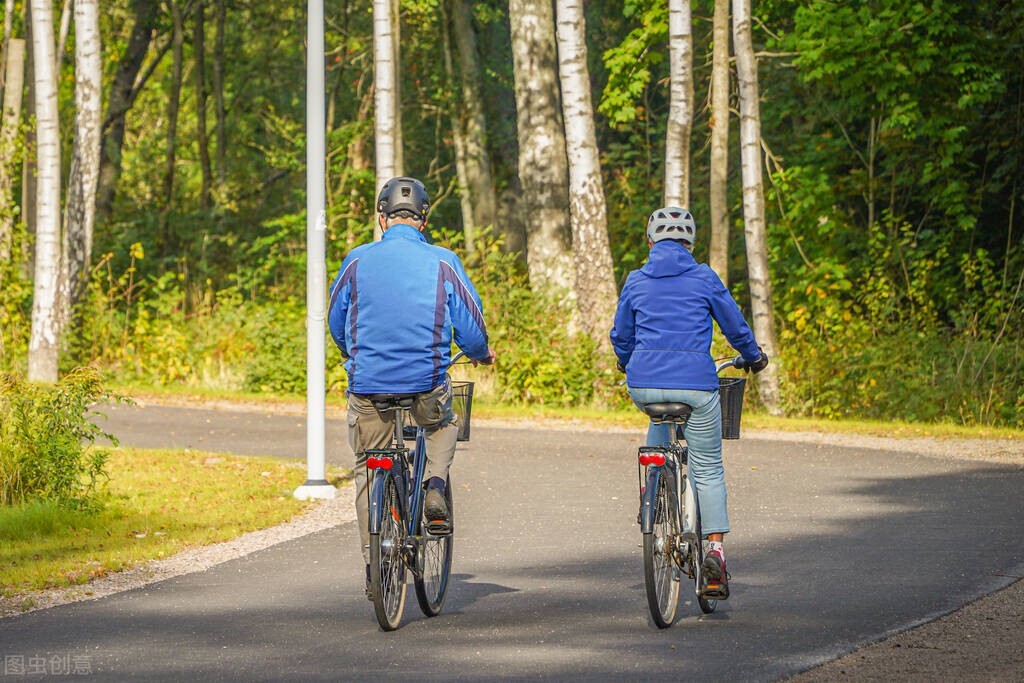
<point x="156" y="504"/>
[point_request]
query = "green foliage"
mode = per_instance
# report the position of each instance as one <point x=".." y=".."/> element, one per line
<point x="629" y="63"/>
<point x="43" y="435"/>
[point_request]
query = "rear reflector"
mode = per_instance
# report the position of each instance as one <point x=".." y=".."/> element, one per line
<point x="656" y="459"/>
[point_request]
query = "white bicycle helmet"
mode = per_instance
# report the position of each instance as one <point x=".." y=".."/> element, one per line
<point x="672" y="223"/>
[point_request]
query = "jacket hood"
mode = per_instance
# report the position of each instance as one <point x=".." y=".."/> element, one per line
<point x="668" y="259"/>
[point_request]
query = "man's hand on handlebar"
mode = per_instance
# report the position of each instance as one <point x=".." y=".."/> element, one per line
<point x="491" y="356"/>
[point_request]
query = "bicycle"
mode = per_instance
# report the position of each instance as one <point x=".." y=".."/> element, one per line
<point x="673" y="544"/>
<point x="400" y="538"/>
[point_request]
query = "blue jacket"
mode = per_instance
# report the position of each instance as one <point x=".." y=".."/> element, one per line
<point x="392" y="309"/>
<point x="662" y="332"/>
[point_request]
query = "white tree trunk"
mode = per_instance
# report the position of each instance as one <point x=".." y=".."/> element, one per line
<point x="543" y="172"/>
<point x="15" y="80"/>
<point x="45" y="335"/>
<point x="592" y="257"/>
<point x="753" y="203"/>
<point x="680" y="112"/>
<point x="80" y="209"/>
<point x="8" y="26"/>
<point x="718" y="196"/>
<point x="385" y="85"/>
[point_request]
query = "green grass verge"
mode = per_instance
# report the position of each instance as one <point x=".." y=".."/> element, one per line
<point x="156" y="504"/>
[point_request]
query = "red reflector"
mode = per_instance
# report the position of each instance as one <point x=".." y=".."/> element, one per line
<point x="379" y="463"/>
<point x="656" y="459"/>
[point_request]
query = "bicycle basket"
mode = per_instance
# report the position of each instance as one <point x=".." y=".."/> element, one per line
<point x="730" y="390"/>
<point x="462" y="405"/>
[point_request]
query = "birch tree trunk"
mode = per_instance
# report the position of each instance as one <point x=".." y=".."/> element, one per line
<point x="80" y="208"/>
<point x="14" y="79"/>
<point x="8" y="28"/>
<point x="478" y="184"/>
<point x="44" y="338"/>
<point x="202" y="139"/>
<point x="680" y="112"/>
<point x="592" y="257"/>
<point x="385" y="72"/>
<point x="543" y="170"/>
<point x="753" y="203"/>
<point x="62" y="36"/>
<point x="718" y="195"/>
<point x="122" y="94"/>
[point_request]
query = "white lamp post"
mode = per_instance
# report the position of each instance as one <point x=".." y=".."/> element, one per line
<point x="316" y="485"/>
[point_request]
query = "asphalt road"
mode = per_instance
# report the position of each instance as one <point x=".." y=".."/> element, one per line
<point x="831" y="548"/>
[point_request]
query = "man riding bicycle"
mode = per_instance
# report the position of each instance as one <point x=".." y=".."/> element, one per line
<point x="392" y="310"/>
<point x="662" y="338"/>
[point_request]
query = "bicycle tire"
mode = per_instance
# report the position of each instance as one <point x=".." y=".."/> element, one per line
<point x="661" y="576"/>
<point x="707" y="605"/>
<point x="387" y="563"/>
<point x="436" y="563"/>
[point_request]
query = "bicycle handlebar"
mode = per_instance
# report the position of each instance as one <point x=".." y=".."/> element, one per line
<point x="462" y="354"/>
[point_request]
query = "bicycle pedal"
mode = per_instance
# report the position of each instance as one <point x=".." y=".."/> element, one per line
<point x="439" y="527"/>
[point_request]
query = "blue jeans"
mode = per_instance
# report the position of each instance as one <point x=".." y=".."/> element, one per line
<point x="703" y="434"/>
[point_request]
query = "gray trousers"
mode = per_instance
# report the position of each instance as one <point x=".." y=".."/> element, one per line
<point x="368" y="429"/>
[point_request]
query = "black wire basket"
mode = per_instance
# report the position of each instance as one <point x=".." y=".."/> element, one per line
<point x="730" y="390"/>
<point x="462" y="406"/>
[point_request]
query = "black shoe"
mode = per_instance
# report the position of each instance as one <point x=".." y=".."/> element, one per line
<point x="716" y="578"/>
<point x="435" y="511"/>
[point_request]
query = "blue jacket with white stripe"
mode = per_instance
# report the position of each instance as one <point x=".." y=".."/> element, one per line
<point x="392" y="309"/>
<point x="662" y="331"/>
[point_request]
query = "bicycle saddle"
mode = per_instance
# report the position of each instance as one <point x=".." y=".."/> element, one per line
<point x="668" y="412"/>
<point x="385" y="402"/>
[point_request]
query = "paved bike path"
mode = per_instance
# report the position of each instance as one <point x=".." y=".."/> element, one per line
<point x="832" y="547"/>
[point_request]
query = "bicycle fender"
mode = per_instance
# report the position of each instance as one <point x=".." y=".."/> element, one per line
<point x="376" y="499"/>
<point x="376" y="503"/>
<point x="648" y="500"/>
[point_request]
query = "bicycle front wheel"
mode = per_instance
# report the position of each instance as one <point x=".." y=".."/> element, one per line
<point x="387" y="564"/>
<point x="432" y="584"/>
<point x="661" y="576"/>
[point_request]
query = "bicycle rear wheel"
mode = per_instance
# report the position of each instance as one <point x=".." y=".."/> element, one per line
<point x="707" y="605"/>
<point x="436" y="563"/>
<point x="387" y="564"/>
<point x="661" y="576"/>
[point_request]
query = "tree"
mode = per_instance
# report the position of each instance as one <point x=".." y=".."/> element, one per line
<point x="753" y="202"/>
<point x="387" y="128"/>
<point x="475" y="178"/>
<point x="592" y="257"/>
<point x="45" y="335"/>
<point x="80" y="209"/>
<point x="220" y="127"/>
<point x="123" y="90"/>
<point x="680" y="113"/>
<point x="202" y="140"/>
<point x="11" y="119"/>
<point x="718" y="191"/>
<point x="173" y="101"/>
<point x="543" y="171"/>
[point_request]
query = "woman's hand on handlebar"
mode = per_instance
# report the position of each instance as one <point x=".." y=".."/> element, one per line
<point x="751" y="366"/>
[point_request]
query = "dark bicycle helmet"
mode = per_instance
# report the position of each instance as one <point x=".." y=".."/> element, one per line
<point x="403" y="194"/>
<point x="672" y="223"/>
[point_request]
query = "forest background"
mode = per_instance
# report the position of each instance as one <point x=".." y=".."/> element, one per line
<point x="891" y="136"/>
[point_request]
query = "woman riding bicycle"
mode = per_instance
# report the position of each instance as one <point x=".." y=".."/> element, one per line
<point x="662" y="338"/>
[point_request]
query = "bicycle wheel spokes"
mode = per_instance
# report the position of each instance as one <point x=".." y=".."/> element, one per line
<point x="387" y="565"/>
<point x="432" y="584"/>
<point x="661" y="576"/>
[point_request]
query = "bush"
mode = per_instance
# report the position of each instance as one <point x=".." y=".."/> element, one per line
<point x="44" y="433"/>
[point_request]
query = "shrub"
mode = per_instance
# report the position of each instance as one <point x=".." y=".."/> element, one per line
<point x="44" y="434"/>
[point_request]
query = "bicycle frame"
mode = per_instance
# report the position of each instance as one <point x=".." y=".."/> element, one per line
<point x="408" y="477"/>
